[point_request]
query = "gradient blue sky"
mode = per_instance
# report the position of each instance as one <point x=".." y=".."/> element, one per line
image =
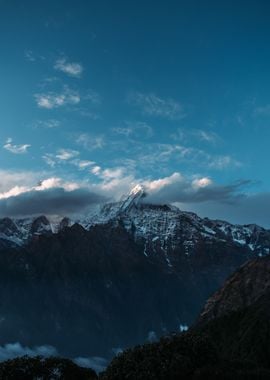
<point x="101" y="95"/>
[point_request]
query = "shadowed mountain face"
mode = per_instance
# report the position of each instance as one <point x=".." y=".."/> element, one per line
<point x="231" y="340"/>
<point x="93" y="292"/>
<point x="245" y="287"/>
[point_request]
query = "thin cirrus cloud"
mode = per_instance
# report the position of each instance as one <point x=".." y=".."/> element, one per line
<point x="153" y="154"/>
<point x="137" y="129"/>
<point x="51" y="100"/>
<point x="62" y="155"/>
<point x="73" y="69"/>
<point x="90" y="142"/>
<point x="153" y="105"/>
<point x="182" y="134"/>
<point x="47" y="124"/>
<point x="263" y="111"/>
<point x="210" y="137"/>
<point x="16" y="149"/>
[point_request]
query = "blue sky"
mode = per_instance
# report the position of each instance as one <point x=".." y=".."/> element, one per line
<point x="101" y="95"/>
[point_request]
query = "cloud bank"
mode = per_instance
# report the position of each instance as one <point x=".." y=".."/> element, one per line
<point x="51" y="196"/>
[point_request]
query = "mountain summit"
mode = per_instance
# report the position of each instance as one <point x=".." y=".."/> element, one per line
<point x="161" y="229"/>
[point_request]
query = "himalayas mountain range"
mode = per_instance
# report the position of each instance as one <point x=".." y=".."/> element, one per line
<point x="126" y="274"/>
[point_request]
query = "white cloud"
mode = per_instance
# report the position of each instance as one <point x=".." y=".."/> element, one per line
<point x="16" y="149"/>
<point x="10" y="179"/>
<point x="66" y="154"/>
<point x="96" y="170"/>
<point x="73" y="69"/>
<point x="55" y="182"/>
<point x="111" y="173"/>
<point x="51" y="100"/>
<point x="62" y="156"/>
<point x="13" y="192"/>
<point x="82" y="164"/>
<point x="201" y="182"/>
<point x="158" y="184"/>
<point x="151" y="104"/>
<point x="49" y="183"/>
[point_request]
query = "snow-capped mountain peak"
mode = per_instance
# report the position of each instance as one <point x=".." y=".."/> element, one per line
<point x="159" y="228"/>
<point x="138" y="189"/>
<point x="133" y="198"/>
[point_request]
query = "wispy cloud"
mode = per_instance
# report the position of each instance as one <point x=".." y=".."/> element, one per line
<point x="210" y="137"/>
<point x="91" y="142"/>
<point x="49" y="159"/>
<point x="82" y="164"/>
<point x="62" y="155"/>
<point x="29" y="55"/>
<point x="16" y="149"/>
<point x="222" y="162"/>
<point x="152" y="155"/>
<point x="50" y="100"/>
<point x="66" y="154"/>
<point x="73" y="69"/>
<point x="134" y="129"/>
<point x="152" y="105"/>
<point x="48" y="124"/>
<point x="186" y="134"/>
<point x="32" y="57"/>
<point x="262" y="110"/>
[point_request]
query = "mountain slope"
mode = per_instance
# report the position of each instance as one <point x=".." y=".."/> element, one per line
<point x="91" y="292"/>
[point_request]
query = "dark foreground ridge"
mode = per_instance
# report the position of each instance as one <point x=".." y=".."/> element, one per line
<point x="235" y="345"/>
